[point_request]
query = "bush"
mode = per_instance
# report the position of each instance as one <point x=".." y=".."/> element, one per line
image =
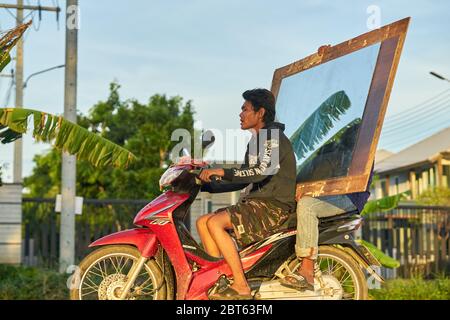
<point x="414" y="289"/>
<point x="438" y="196"/>
<point x="21" y="283"/>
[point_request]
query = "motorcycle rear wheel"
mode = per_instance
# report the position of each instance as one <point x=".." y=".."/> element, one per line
<point x="102" y="274"/>
<point x="337" y="263"/>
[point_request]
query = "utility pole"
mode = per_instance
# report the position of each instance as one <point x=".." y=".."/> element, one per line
<point x="68" y="174"/>
<point x="17" y="170"/>
<point x="18" y="148"/>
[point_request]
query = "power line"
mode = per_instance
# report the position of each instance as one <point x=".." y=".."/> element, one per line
<point x="409" y="135"/>
<point x="432" y="107"/>
<point x="439" y="110"/>
<point x="426" y="108"/>
<point x="8" y="93"/>
<point x="29" y="7"/>
<point x="32" y="13"/>
<point x="413" y="117"/>
<point x="420" y="105"/>
<point x="418" y="117"/>
<point x="444" y="106"/>
<point x="420" y="136"/>
<point x="398" y="128"/>
<point x="11" y="14"/>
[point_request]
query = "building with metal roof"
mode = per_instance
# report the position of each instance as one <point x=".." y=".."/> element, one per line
<point x="417" y="168"/>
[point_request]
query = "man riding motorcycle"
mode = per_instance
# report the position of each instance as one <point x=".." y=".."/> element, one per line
<point x="268" y="174"/>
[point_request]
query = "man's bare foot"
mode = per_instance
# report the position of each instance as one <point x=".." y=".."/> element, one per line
<point x="307" y="274"/>
<point x="301" y="279"/>
<point x="307" y="270"/>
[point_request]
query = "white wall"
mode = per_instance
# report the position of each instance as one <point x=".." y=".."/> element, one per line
<point x="10" y="223"/>
<point x="403" y="183"/>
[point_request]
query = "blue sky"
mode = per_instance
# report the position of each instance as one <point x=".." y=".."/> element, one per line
<point x="211" y="51"/>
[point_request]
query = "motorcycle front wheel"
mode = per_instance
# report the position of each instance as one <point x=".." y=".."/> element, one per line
<point x="102" y="275"/>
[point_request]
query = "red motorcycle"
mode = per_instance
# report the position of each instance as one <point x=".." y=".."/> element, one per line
<point x="160" y="259"/>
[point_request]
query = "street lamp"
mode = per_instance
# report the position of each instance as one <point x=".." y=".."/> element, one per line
<point x="439" y="76"/>
<point x="40" y="72"/>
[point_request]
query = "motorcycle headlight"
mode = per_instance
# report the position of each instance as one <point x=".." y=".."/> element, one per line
<point x="169" y="176"/>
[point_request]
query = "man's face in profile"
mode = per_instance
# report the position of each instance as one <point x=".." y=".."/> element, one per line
<point x="249" y="118"/>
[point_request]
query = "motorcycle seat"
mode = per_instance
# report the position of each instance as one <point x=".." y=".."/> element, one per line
<point x="339" y="217"/>
<point x="291" y="222"/>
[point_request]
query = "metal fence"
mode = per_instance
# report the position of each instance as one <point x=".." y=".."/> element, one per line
<point x="41" y="227"/>
<point x="417" y="236"/>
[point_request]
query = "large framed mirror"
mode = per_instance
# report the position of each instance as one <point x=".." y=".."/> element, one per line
<point x="333" y="104"/>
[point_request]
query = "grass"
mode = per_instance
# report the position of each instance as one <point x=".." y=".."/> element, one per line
<point x="22" y="283"/>
<point x="414" y="289"/>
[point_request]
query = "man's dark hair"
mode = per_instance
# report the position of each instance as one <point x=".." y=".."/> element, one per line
<point x="262" y="98"/>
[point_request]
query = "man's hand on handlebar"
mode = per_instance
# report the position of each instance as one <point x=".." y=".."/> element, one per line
<point x="207" y="174"/>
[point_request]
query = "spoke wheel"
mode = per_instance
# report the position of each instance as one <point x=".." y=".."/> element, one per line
<point x="103" y="275"/>
<point x="341" y="274"/>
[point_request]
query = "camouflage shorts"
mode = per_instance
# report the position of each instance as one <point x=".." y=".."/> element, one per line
<point x="255" y="219"/>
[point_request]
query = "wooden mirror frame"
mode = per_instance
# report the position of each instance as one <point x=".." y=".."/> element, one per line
<point x="391" y="37"/>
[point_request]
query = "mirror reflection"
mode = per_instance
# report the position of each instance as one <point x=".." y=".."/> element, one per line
<point x="322" y="109"/>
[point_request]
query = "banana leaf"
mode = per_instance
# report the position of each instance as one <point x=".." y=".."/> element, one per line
<point x="319" y="123"/>
<point x="65" y="135"/>
<point x="336" y="139"/>
<point x="5" y="58"/>
<point x="380" y="205"/>
<point x="8" y="40"/>
<point x="384" y="204"/>
<point x="385" y="260"/>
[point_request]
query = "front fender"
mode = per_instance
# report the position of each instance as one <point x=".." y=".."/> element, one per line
<point x="143" y="239"/>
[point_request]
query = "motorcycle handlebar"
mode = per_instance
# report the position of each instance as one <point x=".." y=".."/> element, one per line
<point x="198" y="171"/>
<point x="215" y="178"/>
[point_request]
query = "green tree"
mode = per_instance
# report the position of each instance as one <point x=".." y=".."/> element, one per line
<point x="144" y="129"/>
<point x="64" y="134"/>
<point x="438" y="196"/>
